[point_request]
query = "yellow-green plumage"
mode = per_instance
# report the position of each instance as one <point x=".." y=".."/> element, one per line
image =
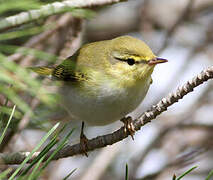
<point x="45" y="71"/>
<point x="104" y="80"/>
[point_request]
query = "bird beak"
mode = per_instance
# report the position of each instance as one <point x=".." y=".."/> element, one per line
<point x="157" y="60"/>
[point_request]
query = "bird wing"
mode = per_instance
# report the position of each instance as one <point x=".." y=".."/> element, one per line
<point x="42" y="70"/>
<point x="66" y="71"/>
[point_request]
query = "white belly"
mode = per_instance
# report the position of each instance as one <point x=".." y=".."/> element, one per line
<point x="108" y="105"/>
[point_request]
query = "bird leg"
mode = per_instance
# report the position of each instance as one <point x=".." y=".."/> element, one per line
<point x="128" y="126"/>
<point x="83" y="140"/>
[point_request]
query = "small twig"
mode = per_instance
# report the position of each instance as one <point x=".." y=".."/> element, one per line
<point x="109" y="139"/>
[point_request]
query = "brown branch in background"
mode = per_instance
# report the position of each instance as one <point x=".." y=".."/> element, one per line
<point x="184" y="15"/>
<point x="39" y="39"/>
<point x="74" y="37"/>
<point x="140" y="158"/>
<point x="145" y="20"/>
<point x="109" y="139"/>
<point x="102" y="161"/>
<point x="206" y="6"/>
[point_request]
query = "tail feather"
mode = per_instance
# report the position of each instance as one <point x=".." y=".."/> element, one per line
<point x="46" y="71"/>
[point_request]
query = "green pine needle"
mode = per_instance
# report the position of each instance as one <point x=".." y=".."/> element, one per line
<point x="5" y="129"/>
<point x="209" y="175"/>
<point x="62" y="143"/>
<point x="70" y="174"/>
<point x="33" y="151"/>
<point x="126" y="172"/>
<point x="184" y="174"/>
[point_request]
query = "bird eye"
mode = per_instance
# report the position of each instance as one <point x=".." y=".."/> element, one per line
<point x="131" y="61"/>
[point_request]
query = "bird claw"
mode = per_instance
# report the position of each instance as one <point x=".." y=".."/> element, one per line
<point x="128" y="126"/>
<point x="83" y="141"/>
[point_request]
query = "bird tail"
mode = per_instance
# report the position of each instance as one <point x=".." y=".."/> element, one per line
<point x="41" y="70"/>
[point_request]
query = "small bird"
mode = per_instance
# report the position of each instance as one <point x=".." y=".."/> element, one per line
<point x="104" y="81"/>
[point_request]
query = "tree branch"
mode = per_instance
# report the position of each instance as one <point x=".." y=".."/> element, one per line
<point x="50" y="9"/>
<point x="109" y="139"/>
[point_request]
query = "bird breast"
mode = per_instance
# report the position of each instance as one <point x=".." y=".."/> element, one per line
<point x="102" y="104"/>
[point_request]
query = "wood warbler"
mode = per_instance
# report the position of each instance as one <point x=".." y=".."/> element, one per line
<point x="104" y="81"/>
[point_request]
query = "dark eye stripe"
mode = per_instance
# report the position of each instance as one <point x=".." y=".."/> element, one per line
<point x="130" y="61"/>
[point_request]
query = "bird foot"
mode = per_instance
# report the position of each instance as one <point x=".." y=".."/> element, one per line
<point x="83" y="141"/>
<point x="128" y="126"/>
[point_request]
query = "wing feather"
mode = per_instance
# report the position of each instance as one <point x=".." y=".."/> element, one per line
<point x="66" y="71"/>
